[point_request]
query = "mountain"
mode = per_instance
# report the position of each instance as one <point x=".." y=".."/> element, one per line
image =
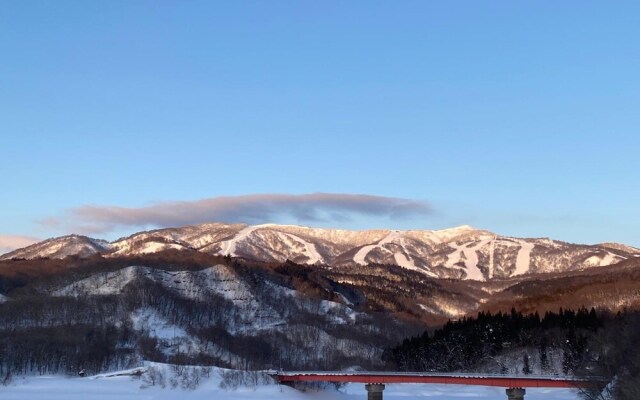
<point x="458" y="253"/>
<point x="184" y="307"/>
<point x="61" y="247"/>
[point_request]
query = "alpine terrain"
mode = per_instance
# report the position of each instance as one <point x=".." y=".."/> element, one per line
<point x="458" y="253"/>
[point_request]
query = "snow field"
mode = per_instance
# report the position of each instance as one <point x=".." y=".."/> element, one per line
<point x="115" y="386"/>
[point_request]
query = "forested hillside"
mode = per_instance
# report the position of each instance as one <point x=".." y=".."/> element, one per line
<point x="102" y="314"/>
<point x="480" y="343"/>
<point x="601" y="349"/>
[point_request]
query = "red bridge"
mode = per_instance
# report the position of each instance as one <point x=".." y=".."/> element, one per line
<point x="374" y="381"/>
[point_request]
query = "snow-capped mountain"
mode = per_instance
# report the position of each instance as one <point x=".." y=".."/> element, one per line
<point x="61" y="247"/>
<point x="460" y="253"/>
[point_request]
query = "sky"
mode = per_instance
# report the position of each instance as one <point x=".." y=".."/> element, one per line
<point x="516" y="117"/>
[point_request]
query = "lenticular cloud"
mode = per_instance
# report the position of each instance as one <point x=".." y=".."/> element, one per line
<point x="255" y="208"/>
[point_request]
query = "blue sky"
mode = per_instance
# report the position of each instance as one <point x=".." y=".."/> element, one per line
<point x="517" y="117"/>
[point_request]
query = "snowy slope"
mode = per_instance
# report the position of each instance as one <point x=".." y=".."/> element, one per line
<point x="219" y="280"/>
<point x="197" y="237"/>
<point x="61" y="247"/>
<point x="200" y="285"/>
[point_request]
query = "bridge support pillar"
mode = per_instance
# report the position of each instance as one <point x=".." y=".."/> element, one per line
<point x="515" y="393"/>
<point x="374" y="390"/>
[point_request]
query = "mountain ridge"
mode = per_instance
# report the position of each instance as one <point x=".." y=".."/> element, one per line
<point x="462" y="252"/>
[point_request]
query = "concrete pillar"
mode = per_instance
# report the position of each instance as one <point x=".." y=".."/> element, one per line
<point x="375" y="391"/>
<point x="515" y="393"/>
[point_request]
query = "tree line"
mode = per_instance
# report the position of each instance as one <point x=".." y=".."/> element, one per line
<point x="468" y="344"/>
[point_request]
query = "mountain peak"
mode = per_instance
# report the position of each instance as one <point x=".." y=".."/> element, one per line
<point x="61" y="247"/>
<point x="461" y="228"/>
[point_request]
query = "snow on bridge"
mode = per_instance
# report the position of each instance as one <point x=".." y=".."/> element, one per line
<point x="539" y="381"/>
<point x="374" y="381"/>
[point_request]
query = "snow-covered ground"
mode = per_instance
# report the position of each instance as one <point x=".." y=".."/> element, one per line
<point x="105" y="387"/>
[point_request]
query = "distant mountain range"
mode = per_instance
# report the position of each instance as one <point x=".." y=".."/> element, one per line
<point x="457" y="253"/>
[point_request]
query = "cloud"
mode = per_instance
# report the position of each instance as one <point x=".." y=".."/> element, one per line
<point x="252" y="209"/>
<point x="12" y="242"/>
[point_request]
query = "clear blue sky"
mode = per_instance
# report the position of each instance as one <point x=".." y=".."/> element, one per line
<point x="518" y="117"/>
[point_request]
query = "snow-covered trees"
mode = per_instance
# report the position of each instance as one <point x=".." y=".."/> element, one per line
<point x="612" y="362"/>
<point x="471" y="343"/>
<point x="112" y="314"/>
<point x="526" y="365"/>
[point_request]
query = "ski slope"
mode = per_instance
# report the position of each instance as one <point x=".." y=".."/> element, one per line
<point x="401" y="257"/>
<point x="523" y="259"/>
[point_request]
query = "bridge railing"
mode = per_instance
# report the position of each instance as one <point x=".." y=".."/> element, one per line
<point x="475" y="379"/>
<point x="426" y="374"/>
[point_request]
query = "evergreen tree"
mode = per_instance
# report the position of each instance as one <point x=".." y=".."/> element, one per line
<point x="544" y="360"/>
<point x="526" y="368"/>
